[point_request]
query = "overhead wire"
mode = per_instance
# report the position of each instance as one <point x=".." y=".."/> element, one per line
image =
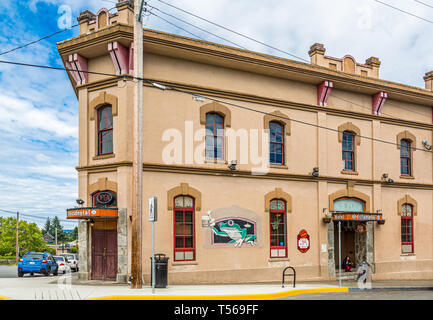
<point x="163" y="87"/>
<point x="270" y="57"/>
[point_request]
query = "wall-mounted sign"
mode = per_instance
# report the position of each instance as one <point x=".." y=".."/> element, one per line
<point x="356" y="217"/>
<point x="89" y="213"/>
<point x="303" y="241"/>
<point x="153" y="209"/>
<point x="234" y="231"/>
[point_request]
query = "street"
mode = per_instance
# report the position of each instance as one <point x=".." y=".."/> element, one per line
<point x="368" y="295"/>
<point x="8" y="272"/>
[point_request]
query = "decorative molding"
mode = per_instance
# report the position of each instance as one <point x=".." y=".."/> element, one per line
<point x="101" y="185"/>
<point x="407" y="136"/>
<point x="78" y="67"/>
<point x="278" y="193"/>
<point x="323" y="92"/>
<point x="120" y="57"/>
<point x="378" y="102"/>
<point x="279" y="117"/>
<point x="349" y="126"/>
<point x="183" y="190"/>
<point x="349" y="192"/>
<point x="217" y="108"/>
<point x="103" y="99"/>
<point x="409" y="200"/>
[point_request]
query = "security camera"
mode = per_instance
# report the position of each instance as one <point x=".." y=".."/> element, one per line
<point x="426" y="145"/>
<point x="390" y="180"/>
<point x="79" y="201"/>
<point x="384" y="176"/>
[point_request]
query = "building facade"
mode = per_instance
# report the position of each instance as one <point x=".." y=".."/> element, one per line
<point x="275" y="156"/>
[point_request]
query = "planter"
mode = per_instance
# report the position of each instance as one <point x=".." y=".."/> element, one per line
<point x="327" y="219"/>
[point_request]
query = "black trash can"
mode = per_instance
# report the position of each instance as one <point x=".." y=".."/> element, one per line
<point x="161" y="270"/>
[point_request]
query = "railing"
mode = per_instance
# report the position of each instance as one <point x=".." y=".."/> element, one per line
<point x="289" y="275"/>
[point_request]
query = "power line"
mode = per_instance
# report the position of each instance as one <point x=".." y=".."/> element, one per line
<point x="163" y="87"/>
<point x="401" y="10"/>
<point x="235" y="32"/>
<point x="186" y="22"/>
<point x="36" y="41"/>
<point x="427" y="5"/>
<point x="194" y="35"/>
<point x="337" y="97"/>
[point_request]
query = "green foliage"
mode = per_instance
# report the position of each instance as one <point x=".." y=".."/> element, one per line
<point x="50" y="250"/>
<point x="74" y="249"/>
<point x="30" y="237"/>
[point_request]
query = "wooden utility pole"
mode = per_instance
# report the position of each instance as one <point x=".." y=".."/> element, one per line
<point x="17" y="245"/>
<point x="137" y="203"/>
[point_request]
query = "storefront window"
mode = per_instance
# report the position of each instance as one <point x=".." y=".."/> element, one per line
<point x="184" y="229"/>
<point x="278" y="230"/>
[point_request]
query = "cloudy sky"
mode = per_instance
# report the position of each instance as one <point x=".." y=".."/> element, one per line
<point x="38" y="108"/>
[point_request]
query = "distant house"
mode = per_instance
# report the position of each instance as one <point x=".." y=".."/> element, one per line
<point x="49" y="238"/>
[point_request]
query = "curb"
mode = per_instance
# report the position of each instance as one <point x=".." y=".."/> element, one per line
<point x="390" y="288"/>
<point x="263" y="296"/>
<point x="4" y="298"/>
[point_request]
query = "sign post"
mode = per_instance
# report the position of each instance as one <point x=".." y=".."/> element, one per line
<point x="153" y="216"/>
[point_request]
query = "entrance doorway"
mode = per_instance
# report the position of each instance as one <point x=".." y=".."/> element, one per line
<point x="353" y="242"/>
<point x="104" y="254"/>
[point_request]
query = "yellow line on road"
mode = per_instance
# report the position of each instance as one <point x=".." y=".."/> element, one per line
<point x="262" y="296"/>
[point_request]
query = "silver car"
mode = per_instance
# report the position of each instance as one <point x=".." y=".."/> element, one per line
<point x="73" y="260"/>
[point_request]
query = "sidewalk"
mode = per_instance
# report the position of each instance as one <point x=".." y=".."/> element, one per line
<point x="70" y="289"/>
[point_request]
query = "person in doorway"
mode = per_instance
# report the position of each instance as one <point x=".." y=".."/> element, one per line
<point x="347" y="264"/>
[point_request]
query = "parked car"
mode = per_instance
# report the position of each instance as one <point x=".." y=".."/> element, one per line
<point x="64" y="264"/>
<point x="73" y="259"/>
<point x="37" y="262"/>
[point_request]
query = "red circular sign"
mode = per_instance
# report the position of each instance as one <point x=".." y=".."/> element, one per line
<point x="303" y="241"/>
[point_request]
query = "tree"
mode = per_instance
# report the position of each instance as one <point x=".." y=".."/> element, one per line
<point x="47" y="228"/>
<point x="30" y="237"/>
<point x="55" y="224"/>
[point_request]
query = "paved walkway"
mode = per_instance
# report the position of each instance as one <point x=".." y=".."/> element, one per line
<point x="68" y="288"/>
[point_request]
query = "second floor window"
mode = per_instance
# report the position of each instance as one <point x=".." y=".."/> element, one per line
<point x="105" y="130"/>
<point x="348" y="150"/>
<point x="405" y="158"/>
<point x="214" y="136"/>
<point x="276" y="143"/>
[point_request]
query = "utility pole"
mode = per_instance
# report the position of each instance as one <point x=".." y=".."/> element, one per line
<point x="137" y="203"/>
<point x="56" y="238"/>
<point x="17" y="246"/>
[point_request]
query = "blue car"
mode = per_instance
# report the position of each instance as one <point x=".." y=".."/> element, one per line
<point x="37" y="262"/>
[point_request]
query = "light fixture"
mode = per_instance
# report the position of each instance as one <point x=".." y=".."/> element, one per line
<point x="80" y="202"/>
<point x="426" y="145"/>
<point x="233" y="164"/>
<point x="384" y="176"/>
<point x="315" y="172"/>
<point x="390" y="180"/>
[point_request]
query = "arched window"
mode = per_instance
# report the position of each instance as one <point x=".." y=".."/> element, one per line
<point x="104" y="199"/>
<point x="348" y="150"/>
<point x="405" y="158"/>
<point x="278" y="229"/>
<point x="105" y="130"/>
<point x="406" y="228"/>
<point x="184" y="229"/>
<point x="214" y="136"/>
<point x="276" y="143"/>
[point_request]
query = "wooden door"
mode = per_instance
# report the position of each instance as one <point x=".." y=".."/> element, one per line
<point x="104" y="254"/>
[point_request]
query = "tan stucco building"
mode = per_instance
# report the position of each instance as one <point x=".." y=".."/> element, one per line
<point x="342" y="144"/>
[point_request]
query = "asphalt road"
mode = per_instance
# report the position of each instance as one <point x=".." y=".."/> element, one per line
<point x="368" y="295"/>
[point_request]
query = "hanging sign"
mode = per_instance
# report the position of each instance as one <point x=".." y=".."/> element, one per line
<point x="360" y="228"/>
<point x="303" y="241"/>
